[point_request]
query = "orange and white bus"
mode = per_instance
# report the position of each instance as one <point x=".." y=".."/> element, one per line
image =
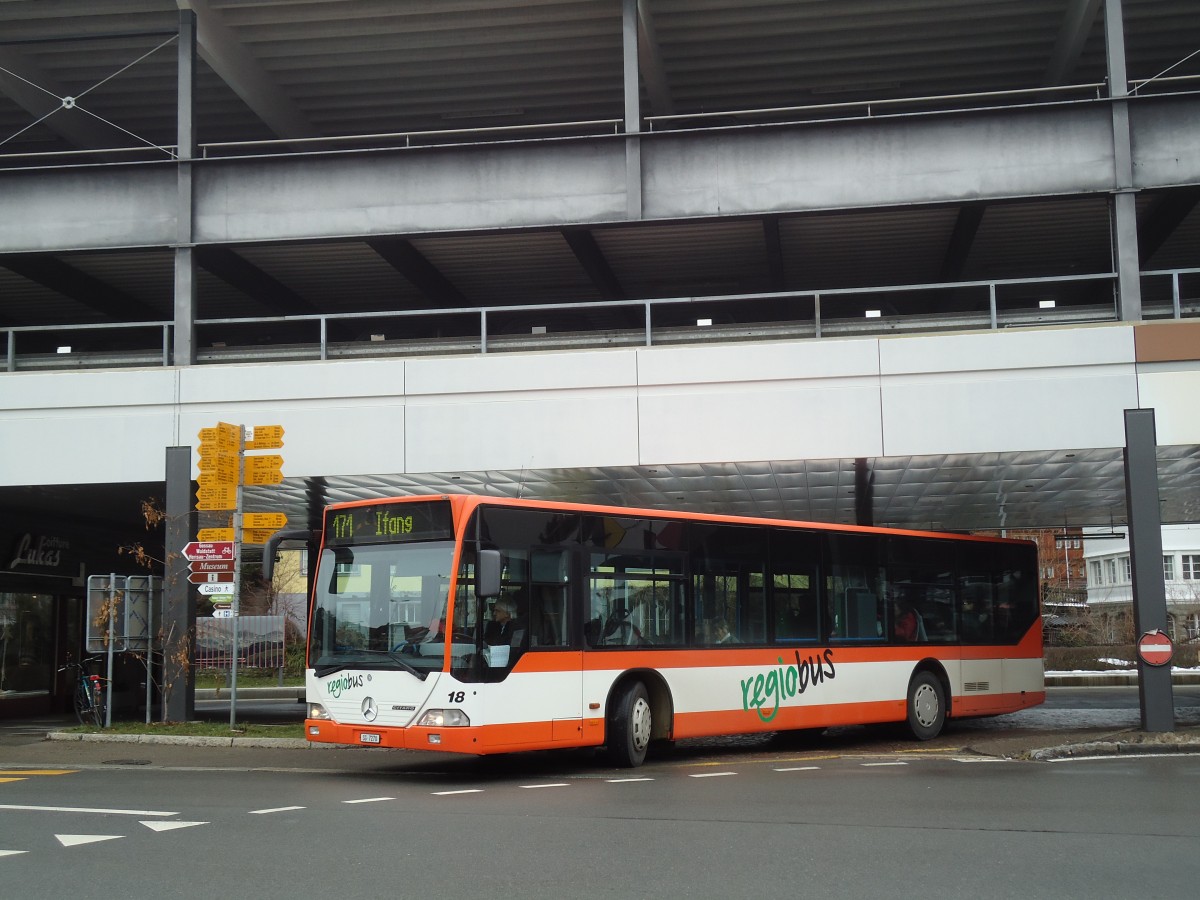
<point x="486" y="625"/>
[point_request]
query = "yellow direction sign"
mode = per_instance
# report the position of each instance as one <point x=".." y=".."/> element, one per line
<point x="226" y="462"/>
<point x="263" y="469"/>
<point x="264" y="437"/>
<point x="222" y="497"/>
<point x="272" y="521"/>
<point x="215" y="534"/>
<point x="217" y="477"/>
<point x="257" y="535"/>
<point x="223" y="437"/>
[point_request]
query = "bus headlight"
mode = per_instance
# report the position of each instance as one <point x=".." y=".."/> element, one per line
<point x="444" y="718"/>
<point x="317" y="711"/>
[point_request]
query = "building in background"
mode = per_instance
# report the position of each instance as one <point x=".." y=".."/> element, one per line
<point x="1110" y="578"/>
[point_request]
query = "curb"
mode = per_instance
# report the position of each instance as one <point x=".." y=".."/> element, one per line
<point x="180" y="740"/>
<point x="255" y="693"/>
<point x="1110" y="748"/>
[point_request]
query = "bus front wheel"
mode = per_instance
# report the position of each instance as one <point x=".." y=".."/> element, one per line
<point x="926" y="706"/>
<point x="629" y="727"/>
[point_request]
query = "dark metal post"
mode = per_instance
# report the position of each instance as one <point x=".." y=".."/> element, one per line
<point x="1145" y="550"/>
<point x="179" y="611"/>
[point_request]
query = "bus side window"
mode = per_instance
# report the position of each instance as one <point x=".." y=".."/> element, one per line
<point x="794" y="600"/>
<point x="549" y="575"/>
<point x="857" y="585"/>
<point x="795" y="608"/>
<point x="728" y="567"/>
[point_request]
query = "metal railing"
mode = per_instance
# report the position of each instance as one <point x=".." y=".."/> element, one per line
<point x="840" y="312"/>
<point x="261" y="644"/>
<point x="1087" y="92"/>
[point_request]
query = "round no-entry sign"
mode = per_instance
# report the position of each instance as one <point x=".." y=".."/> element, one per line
<point x="1155" y="648"/>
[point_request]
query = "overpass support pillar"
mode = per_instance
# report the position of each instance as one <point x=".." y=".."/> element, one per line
<point x="184" y="345"/>
<point x="1123" y="209"/>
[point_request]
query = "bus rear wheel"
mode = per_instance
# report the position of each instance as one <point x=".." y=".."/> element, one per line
<point x="926" y="706"/>
<point x="629" y="727"/>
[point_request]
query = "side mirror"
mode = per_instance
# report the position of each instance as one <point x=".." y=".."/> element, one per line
<point x="272" y="546"/>
<point x="487" y="573"/>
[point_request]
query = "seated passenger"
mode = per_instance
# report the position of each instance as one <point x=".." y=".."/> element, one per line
<point x="905" y="624"/>
<point x="720" y="633"/>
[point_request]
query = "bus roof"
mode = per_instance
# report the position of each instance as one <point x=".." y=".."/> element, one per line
<point x="466" y="503"/>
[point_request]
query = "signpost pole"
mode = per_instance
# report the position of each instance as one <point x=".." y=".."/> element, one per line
<point x="237" y="572"/>
<point x="112" y="616"/>
<point x="149" y="641"/>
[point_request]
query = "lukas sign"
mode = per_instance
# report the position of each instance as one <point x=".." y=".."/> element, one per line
<point x="45" y="552"/>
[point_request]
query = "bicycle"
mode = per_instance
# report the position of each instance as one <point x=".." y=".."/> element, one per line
<point x="88" y="696"/>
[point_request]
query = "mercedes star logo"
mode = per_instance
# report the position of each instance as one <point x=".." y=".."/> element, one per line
<point x="369" y="709"/>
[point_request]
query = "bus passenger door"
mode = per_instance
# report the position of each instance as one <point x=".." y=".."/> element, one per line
<point x="557" y="666"/>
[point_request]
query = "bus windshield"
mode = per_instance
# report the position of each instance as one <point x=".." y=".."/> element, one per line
<point x="381" y="606"/>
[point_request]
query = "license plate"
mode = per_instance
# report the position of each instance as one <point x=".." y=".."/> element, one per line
<point x="369" y="738"/>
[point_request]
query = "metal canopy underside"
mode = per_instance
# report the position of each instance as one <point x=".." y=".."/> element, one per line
<point x="966" y="492"/>
<point x="941" y="493"/>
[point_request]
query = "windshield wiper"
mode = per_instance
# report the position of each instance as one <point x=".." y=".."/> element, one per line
<point x="399" y="660"/>
<point x="330" y="668"/>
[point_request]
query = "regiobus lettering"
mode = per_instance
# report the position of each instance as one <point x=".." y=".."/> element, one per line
<point x="785" y="682"/>
<point x="486" y="625"/>
<point x="335" y="687"/>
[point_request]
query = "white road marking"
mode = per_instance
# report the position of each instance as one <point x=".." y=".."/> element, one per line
<point x="451" y="793"/>
<point x="265" y="812"/>
<point x="530" y="787"/>
<point x="170" y="826"/>
<point x="884" y="764"/>
<point x="12" y="852"/>
<point x="799" y="769"/>
<point x="711" y="774"/>
<point x="370" y="800"/>
<point x="627" y="780"/>
<point x="74" y="840"/>
<point x="81" y="809"/>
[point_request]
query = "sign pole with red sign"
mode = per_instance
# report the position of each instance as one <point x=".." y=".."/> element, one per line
<point x="1155" y="648"/>
<point x="1145" y="555"/>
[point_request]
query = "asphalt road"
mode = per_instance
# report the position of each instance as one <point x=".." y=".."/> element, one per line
<point x="753" y="821"/>
<point x="858" y="813"/>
